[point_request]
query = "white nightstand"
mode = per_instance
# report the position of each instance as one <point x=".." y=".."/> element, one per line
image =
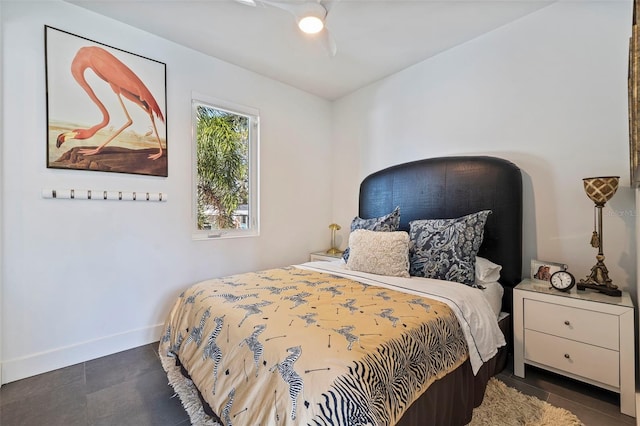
<point x="324" y="256"/>
<point x="584" y="335"/>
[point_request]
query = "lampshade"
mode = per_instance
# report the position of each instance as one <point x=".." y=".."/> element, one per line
<point x="601" y="189"/>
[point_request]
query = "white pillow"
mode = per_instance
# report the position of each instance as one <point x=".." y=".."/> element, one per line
<point x="486" y="270"/>
<point x="382" y="253"/>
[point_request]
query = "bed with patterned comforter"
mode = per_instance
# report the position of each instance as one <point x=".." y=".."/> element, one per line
<point x="319" y="344"/>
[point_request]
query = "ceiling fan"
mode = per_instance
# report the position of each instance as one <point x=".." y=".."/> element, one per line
<point x="311" y="17"/>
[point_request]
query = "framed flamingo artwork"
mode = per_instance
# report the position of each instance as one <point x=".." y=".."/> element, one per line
<point x="106" y="108"/>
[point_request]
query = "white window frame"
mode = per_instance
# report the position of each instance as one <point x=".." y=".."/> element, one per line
<point x="254" y="169"/>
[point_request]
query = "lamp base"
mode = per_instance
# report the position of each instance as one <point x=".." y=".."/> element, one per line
<point x="601" y="288"/>
<point x="334" y="251"/>
<point x="599" y="279"/>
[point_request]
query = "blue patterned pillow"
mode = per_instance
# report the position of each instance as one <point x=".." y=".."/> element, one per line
<point x="446" y="249"/>
<point x="386" y="223"/>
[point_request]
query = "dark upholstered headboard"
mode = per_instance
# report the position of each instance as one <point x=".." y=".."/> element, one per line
<point x="450" y="187"/>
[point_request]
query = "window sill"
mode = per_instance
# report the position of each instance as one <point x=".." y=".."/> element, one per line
<point x="223" y="235"/>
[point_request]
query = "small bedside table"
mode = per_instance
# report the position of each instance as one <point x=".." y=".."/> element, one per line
<point x="324" y="256"/>
<point x="584" y="335"/>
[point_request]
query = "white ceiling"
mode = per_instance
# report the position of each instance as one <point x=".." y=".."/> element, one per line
<point x="375" y="38"/>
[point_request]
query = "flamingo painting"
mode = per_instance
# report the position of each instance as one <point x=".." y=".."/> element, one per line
<point x="124" y="83"/>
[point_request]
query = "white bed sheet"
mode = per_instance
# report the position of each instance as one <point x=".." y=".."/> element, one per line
<point x="493" y="292"/>
<point x="471" y="307"/>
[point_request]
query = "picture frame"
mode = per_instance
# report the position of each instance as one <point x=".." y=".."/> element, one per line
<point x="542" y="270"/>
<point x="106" y="107"/>
<point x="634" y="99"/>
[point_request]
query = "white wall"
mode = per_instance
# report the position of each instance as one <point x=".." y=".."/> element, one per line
<point x="82" y="279"/>
<point x="548" y="92"/>
<point x="1" y="186"/>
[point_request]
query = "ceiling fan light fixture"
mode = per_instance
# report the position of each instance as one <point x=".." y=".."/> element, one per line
<point x="310" y="17"/>
<point x="310" y="24"/>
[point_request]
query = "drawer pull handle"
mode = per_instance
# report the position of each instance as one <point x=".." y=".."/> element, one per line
<point x="567" y="323"/>
<point x="567" y="356"/>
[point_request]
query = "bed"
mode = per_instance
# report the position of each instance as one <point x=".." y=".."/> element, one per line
<point x="348" y="343"/>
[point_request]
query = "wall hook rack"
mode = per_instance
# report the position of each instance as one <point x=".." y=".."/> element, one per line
<point x="91" y="194"/>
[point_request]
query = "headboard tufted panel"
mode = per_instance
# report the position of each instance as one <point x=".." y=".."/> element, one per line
<point x="450" y="187"/>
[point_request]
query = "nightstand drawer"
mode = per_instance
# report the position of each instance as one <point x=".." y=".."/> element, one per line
<point x="582" y="325"/>
<point x="591" y="362"/>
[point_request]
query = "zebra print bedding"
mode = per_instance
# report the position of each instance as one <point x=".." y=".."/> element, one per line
<point x="294" y="346"/>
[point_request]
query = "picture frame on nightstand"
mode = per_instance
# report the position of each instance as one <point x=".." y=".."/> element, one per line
<point x="542" y="270"/>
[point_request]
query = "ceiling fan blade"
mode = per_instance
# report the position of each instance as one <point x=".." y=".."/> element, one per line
<point x="251" y="3"/>
<point x="294" y="8"/>
<point x="290" y="7"/>
<point x="328" y="5"/>
<point x="328" y="42"/>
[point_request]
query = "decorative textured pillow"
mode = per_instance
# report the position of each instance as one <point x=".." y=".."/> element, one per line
<point x="382" y="253"/>
<point x="446" y="249"/>
<point x="386" y="223"/>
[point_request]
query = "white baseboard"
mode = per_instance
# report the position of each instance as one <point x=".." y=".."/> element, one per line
<point x="31" y="365"/>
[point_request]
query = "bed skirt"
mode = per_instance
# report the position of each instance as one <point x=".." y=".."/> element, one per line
<point x="449" y="401"/>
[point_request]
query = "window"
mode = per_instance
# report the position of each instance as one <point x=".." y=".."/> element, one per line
<point x="226" y="172"/>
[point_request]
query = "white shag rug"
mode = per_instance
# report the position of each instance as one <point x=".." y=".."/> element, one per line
<point x="505" y="406"/>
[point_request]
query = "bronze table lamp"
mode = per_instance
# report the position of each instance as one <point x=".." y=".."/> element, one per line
<point x="599" y="190"/>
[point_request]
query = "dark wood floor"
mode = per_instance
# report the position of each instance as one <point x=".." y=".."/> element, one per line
<point x="130" y="388"/>
<point x="593" y="406"/>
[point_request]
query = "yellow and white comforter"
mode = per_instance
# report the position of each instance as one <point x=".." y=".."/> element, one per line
<point x="321" y="345"/>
